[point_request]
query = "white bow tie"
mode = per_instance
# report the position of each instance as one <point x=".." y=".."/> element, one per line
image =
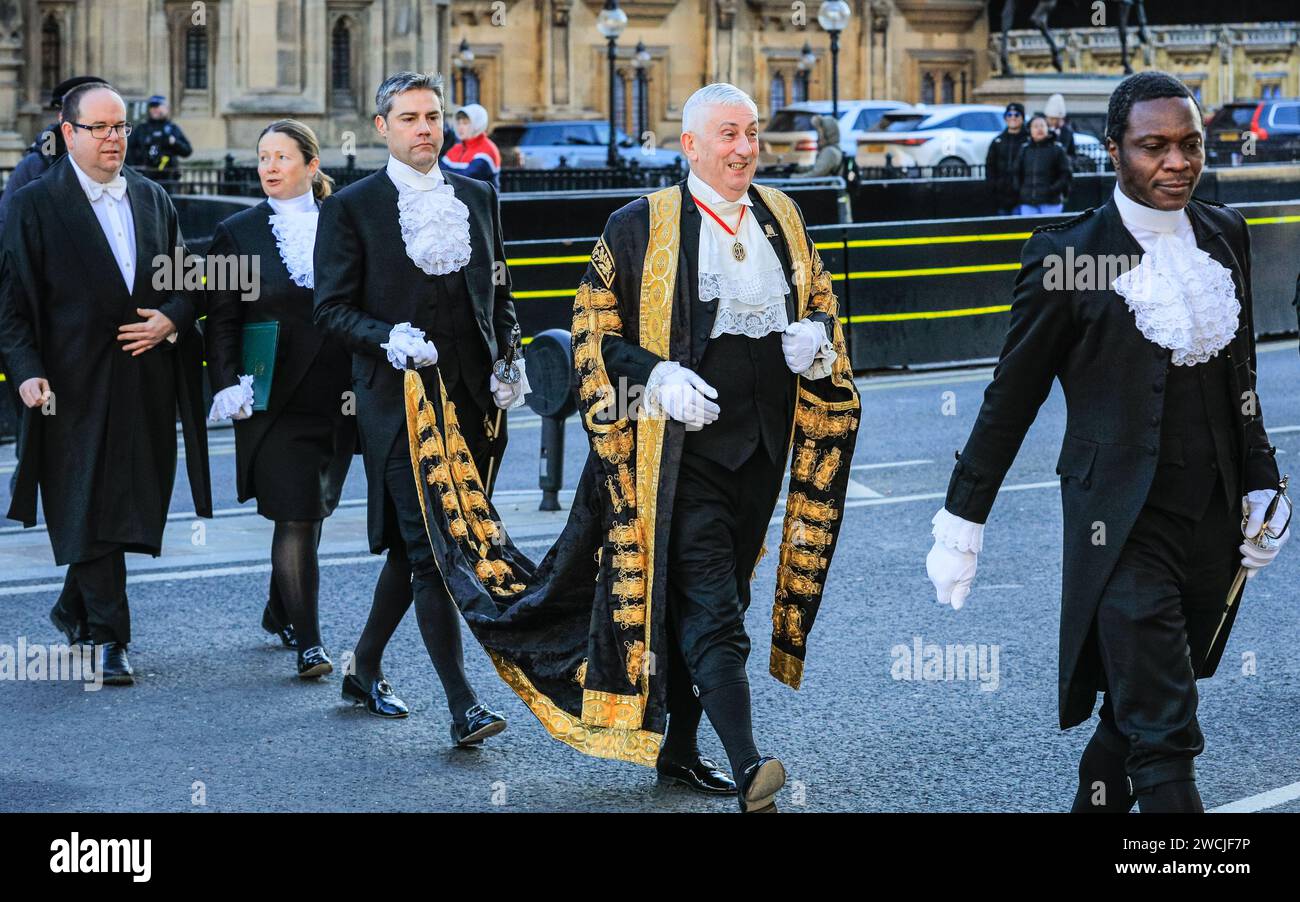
<point x="116" y="189"/>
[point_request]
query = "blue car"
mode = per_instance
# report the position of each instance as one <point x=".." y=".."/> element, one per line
<point x="581" y="143"/>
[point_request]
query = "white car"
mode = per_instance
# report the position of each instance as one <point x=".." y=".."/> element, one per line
<point x="789" y="136"/>
<point x="952" y="137"/>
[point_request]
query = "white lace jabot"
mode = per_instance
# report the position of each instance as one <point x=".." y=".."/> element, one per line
<point x="294" y="225"/>
<point x="751" y="292"/>
<point x="435" y="224"/>
<point x="1182" y="298"/>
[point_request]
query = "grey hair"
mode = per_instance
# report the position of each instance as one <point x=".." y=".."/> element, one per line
<point x="716" y="94"/>
<point x="403" y="82"/>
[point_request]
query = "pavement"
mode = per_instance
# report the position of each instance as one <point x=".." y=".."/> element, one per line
<point x="219" y="721"/>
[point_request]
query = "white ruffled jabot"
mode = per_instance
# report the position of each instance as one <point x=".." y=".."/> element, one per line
<point x="1181" y="297"/>
<point x="751" y="292"/>
<point x="752" y="306"/>
<point x="295" y="236"/>
<point x="434" y="221"/>
<point x="293" y="223"/>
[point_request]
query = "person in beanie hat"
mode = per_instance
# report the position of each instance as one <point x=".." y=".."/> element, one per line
<point x="1000" y="164"/>
<point x="1055" y="113"/>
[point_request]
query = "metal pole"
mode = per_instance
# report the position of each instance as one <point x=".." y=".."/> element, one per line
<point x="612" y="157"/>
<point x="643" y="114"/>
<point x="835" y="75"/>
<point x="551" y="470"/>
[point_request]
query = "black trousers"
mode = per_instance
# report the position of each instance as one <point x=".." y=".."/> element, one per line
<point x="94" y="591"/>
<point x="719" y="517"/>
<point x="404" y="522"/>
<point x="1155" y="621"/>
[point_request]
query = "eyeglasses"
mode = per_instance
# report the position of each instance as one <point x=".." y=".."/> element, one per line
<point x="100" y="132"/>
<point x="1012" y="116"/>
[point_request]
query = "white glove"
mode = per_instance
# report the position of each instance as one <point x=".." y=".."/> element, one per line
<point x="680" y="393"/>
<point x="507" y="396"/>
<point x="1254" y="505"/>
<point x="952" y="561"/>
<point x="407" y="341"/>
<point x="233" y="403"/>
<point x="803" y="342"/>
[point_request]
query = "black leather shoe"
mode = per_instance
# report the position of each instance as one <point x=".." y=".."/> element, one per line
<point x="284" y="631"/>
<point x="480" y="723"/>
<point x="114" y="666"/>
<point x="701" y="775"/>
<point x="378" y="699"/>
<point x="314" y="662"/>
<point x="76" y="633"/>
<point x="759" y="785"/>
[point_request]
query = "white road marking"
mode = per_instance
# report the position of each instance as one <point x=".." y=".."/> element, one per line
<point x="858" y="490"/>
<point x="1263" y="800"/>
<point x="201" y="573"/>
<point x="927" y="496"/>
<point x="891" y="463"/>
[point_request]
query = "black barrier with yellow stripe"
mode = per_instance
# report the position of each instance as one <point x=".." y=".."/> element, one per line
<point x="922" y="292"/>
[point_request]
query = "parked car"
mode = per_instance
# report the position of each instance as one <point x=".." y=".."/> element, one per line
<point x="1089" y="153"/>
<point x="950" y="137"/>
<point x="1275" y="123"/>
<point x="540" y="145"/>
<point x="790" y="137"/>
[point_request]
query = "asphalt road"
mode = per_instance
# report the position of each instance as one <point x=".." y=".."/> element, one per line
<point x="219" y="721"/>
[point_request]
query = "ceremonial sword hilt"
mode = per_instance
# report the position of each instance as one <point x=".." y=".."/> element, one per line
<point x="506" y="370"/>
<point x="1262" y="538"/>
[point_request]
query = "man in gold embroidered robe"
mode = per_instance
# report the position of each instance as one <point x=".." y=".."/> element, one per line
<point x="706" y="349"/>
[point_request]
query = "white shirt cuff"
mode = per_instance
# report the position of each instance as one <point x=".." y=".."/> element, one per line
<point x="953" y="532"/>
<point x="826" y="354"/>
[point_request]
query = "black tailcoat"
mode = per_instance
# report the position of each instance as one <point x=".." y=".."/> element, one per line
<point x="1113" y="379"/>
<point x="105" y="459"/>
<point x="366" y="284"/>
<point x="300" y="348"/>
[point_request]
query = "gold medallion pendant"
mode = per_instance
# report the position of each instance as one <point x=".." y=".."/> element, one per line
<point x="738" y="251"/>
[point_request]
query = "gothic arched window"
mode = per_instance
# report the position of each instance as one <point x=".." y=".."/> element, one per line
<point x="51" y="54"/>
<point x="800" y="86"/>
<point x="778" y="91"/>
<point x="196" y="58"/>
<point x="341" y="57"/>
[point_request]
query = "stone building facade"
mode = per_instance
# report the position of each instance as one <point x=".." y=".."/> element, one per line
<point x="230" y="66"/>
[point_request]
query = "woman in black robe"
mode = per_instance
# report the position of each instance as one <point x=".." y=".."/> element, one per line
<point x="293" y="456"/>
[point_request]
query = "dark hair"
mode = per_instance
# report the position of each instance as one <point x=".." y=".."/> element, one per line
<point x="305" y="138"/>
<point x="1135" y="89"/>
<point x="403" y="82"/>
<point x="72" y="100"/>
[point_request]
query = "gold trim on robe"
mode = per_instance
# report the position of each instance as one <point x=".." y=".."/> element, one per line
<point x="611" y="721"/>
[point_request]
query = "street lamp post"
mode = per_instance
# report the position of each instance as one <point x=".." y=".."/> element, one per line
<point x="807" y="59"/>
<point x="833" y="17"/>
<point x="610" y="23"/>
<point x="464" y="59"/>
<point x="642" y="61"/>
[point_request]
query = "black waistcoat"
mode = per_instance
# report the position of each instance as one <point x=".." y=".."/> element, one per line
<point x="755" y="397"/>
<point x="461" y="355"/>
<point x="1195" y="446"/>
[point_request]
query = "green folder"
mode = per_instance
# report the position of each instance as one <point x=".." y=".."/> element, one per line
<point x="260" y="340"/>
